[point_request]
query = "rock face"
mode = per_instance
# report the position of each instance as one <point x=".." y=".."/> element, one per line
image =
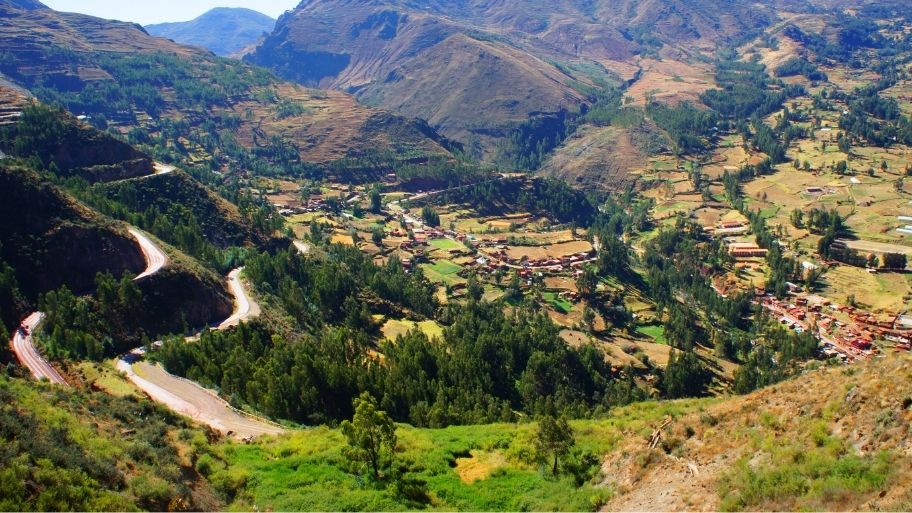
<point x="474" y="68"/>
<point x="223" y="30"/>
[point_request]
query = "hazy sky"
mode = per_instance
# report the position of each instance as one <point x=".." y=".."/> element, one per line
<point x="145" y="12"/>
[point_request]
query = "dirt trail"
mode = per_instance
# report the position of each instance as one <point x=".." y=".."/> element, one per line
<point x="302" y="247"/>
<point x="28" y="354"/>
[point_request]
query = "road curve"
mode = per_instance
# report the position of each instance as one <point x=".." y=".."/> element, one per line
<point x="244" y="307"/>
<point x="162" y="169"/>
<point x="302" y="247"/>
<point x="191" y="399"/>
<point x="28" y="354"/>
<point x="155" y="257"/>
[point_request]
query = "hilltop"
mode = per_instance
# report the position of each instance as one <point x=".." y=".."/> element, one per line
<point x="224" y="30"/>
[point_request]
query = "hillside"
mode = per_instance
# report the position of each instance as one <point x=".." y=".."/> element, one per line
<point x="148" y="87"/>
<point x="788" y="447"/>
<point x="432" y="61"/>
<point x="784" y="448"/>
<point x="92" y="451"/>
<point x="223" y="30"/>
<point x="51" y="239"/>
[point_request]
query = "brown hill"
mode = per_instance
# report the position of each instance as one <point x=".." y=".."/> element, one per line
<point x="122" y="77"/>
<point x="834" y="439"/>
<point x="473" y="68"/>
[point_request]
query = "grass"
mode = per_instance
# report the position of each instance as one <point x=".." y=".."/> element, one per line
<point x="396" y="327"/>
<point x="306" y="470"/>
<point x="655" y="332"/>
<point x="442" y="271"/>
<point x="107" y="379"/>
<point x="558" y="303"/>
<point x="811" y="474"/>
<point x="445" y="244"/>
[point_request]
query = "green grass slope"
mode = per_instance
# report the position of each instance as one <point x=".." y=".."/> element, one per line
<point x="71" y="450"/>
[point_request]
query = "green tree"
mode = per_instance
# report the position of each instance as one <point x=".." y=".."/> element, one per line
<point x="894" y="260"/>
<point x="586" y="282"/>
<point x="376" y="200"/>
<point x="553" y="440"/>
<point x="371" y="435"/>
<point x="430" y="216"/>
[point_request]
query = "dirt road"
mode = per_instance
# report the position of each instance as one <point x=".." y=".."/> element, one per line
<point x="244" y="307"/>
<point x="28" y="354"/>
<point x="155" y="257"/>
<point x="190" y="399"/>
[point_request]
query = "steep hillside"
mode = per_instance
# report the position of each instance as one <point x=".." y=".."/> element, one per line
<point x="121" y="77"/>
<point x="788" y="447"/>
<point x="51" y="240"/>
<point x="74" y="149"/>
<point x="224" y="30"/>
<point x="473" y="69"/>
<point x="833" y="439"/>
<point x="88" y="450"/>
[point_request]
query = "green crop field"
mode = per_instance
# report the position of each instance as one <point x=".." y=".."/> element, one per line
<point x="445" y="244"/>
<point x="654" y="331"/>
<point x="560" y="304"/>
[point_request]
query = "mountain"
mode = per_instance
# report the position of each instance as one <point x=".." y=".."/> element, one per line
<point x="124" y="79"/>
<point x="475" y="69"/>
<point x="224" y="30"/>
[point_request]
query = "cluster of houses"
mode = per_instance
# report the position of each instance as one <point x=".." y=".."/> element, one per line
<point x="727" y="228"/>
<point x="859" y="334"/>
<point x="311" y="205"/>
<point x="555" y="264"/>
<point x="746" y="250"/>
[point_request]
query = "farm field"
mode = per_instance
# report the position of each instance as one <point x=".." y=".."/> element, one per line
<point x="653" y="331"/>
<point x="881" y="292"/>
<point x="396" y="327"/>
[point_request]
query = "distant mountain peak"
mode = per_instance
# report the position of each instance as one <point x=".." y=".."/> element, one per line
<point x="223" y="30"/>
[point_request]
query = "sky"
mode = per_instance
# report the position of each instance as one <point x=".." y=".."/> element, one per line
<point x="158" y="11"/>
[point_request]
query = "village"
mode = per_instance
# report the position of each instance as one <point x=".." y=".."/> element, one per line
<point x="463" y="244"/>
<point x="845" y="331"/>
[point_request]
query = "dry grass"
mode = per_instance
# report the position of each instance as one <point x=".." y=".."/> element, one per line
<point x="479" y="466"/>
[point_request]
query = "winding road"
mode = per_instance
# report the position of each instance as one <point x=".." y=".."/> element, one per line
<point x="181" y="395"/>
<point x="155" y="257"/>
<point x="23" y="345"/>
<point x="28" y="354"/>
<point x="244" y="307"/>
<point x="191" y="399"/>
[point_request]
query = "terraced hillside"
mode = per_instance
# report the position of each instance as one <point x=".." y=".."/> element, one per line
<point x="121" y="77"/>
<point x="476" y="69"/>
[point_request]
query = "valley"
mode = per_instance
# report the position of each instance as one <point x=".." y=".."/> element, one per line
<point x="475" y="256"/>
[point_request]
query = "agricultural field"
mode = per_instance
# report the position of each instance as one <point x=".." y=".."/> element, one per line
<point x="393" y="328"/>
<point x="878" y="293"/>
